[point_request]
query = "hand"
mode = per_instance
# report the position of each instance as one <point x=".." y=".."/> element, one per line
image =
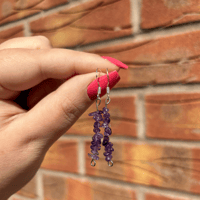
<point x="32" y="120"/>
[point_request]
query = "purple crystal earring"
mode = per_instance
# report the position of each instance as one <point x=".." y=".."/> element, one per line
<point x="107" y="131"/>
<point x="96" y="139"/>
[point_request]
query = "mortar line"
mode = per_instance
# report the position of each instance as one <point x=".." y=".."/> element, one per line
<point x="135" y="16"/>
<point x="81" y="157"/>
<point x="140" y="195"/>
<point x="140" y="116"/>
<point x="158" y="89"/>
<point x="27" y="32"/>
<point x="40" y="191"/>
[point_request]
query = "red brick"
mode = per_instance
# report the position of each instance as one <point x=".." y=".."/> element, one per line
<point x="159" y="13"/>
<point x="161" y="60"/>
<point x="58" y="157"/>
<point x="14" y="32"/>
<point x="86" y="23"/>
<point x="12" y="10"/>
<point x="69" y="188"/>
<point x="162" y="197"/>
<point x="29" y="190"/>
<point x="163" y="166"/>
<point x="122" y="115"/>
<point x="173" y="116"/>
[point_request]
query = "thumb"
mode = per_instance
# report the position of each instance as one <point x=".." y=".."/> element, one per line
<point x="58" y="111"/>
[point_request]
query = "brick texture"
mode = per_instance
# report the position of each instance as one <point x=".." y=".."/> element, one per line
<point x="122" y="117"/>
<point x="162" y="197"/>
<point x="175" y="168"/>
<point x="11" y="10"/>
<point x="173" y="116"/>
<point x="162" y="60"/>
<point x="58" y="157"/>
<point x="67" y="188"/>
<point x="167" y="13"/>
<point x="160" y="49"/>
<point x="11" y="33"/>
<point x="86" y="23"/>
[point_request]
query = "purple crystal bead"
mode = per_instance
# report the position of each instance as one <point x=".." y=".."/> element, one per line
<point x="95" y="157"/>
<point x="106" y="140"/>
<point x="94" y="151"/>
<point x="92" y="114"/>
<point x="106" y="153"/>
<point x="106" y="120"/>
<point x="96" y="112"/>
<point x="105" y="110"/>
<point x="96" y="130"/>
<point x="109" y="150"/>
<point x="107" y="115"/>
<point x="95" y="137"/>
<point x="104" y="125"/>
<point x="108" y="147"/>
<point x="94" y="147"/>
<point x="100" y="135"/>
<point x="106" y="134"/>
<point x="108" y="158"/>
<point x="98" y="117"/>
<point x="108" y="130"/>
<point x="96" y="124"/>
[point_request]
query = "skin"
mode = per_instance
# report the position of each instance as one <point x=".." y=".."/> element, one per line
<point x="32" y="120"/>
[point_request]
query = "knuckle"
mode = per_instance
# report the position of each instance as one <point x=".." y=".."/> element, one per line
<point x="44" y="41"/>
<point x="70" y="110"/>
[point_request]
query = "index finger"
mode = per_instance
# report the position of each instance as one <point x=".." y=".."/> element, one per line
<point x="22" y="69"/>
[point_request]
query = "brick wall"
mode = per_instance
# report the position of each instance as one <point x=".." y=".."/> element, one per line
<point x="155" y="108"/>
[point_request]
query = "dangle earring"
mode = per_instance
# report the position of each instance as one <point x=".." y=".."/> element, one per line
<point x="107" y="131"/>
<point x="96" y="139"/>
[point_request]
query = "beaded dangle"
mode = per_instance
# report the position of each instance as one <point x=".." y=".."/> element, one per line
<point x="107" y="130"/>
<point x="96" y="139"/>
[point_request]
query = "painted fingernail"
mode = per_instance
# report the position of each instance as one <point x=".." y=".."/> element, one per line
<point x="116" y="62"/>
<point x="92" y="89"/>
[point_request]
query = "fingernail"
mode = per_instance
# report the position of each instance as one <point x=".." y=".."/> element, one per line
<point x="92" y="89"/>
<point x="116" y="62"/>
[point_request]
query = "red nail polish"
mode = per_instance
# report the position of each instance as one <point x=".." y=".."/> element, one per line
<point x="92" y="89"/>
<point x="116" y="62"/>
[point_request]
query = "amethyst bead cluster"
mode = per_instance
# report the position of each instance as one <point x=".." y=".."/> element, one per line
<point x="107" y="131"/>
<point x="96" y="139"/>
